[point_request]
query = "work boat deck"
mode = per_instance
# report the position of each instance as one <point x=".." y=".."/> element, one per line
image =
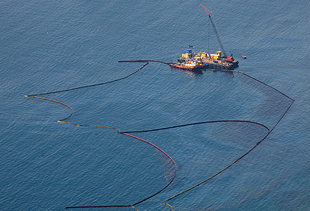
<point x="191" y="60"/>
<point x="219" y="64"/>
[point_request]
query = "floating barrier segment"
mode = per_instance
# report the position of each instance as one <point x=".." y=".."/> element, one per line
<point x="98" y="206"/>
<point x="168" y="205"/>
<point x="174" y="171"/>
<point x="196" y="123"/>
<point x="145" y="61"/>
<point x="173" y="167"/>
<point x="259" y="142"/>
<point x="36" y="96"/>
<point x="81" y="87"/>
<point x="92" y="85"/>
<point x="139" y="202"/>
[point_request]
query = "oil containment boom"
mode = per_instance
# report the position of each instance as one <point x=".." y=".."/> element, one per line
<point x="216" y="32"/>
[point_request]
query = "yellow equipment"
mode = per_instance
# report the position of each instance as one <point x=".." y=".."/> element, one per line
<point x="217" y="55"/>
<point x="202" y="55"/>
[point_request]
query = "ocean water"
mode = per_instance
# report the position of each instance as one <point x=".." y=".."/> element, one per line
<point x="50" y="46"/>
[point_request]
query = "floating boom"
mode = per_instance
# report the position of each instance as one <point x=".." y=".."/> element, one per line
<point x="216" y="32"/>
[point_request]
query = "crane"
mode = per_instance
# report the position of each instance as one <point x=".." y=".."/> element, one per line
<point x="216" y="32"/>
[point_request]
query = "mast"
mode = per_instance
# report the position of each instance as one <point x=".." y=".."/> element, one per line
<point x="216" y="31"/>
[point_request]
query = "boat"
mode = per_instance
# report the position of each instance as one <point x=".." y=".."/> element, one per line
<point x="190" y="60"/>
<point x="202" y="60"/>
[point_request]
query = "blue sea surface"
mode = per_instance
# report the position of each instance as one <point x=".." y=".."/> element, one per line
<point x="56" y="45"/>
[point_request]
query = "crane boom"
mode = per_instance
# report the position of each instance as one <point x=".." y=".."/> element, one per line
<point x="216" y="31"/>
